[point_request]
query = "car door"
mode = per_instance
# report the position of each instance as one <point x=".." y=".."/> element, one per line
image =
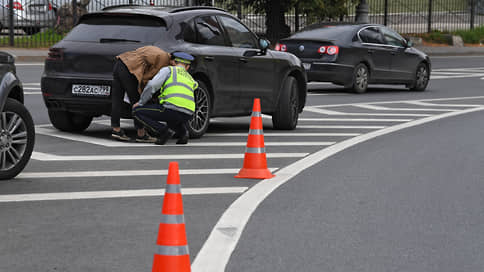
<point x="256" y="70"/>
<point x="404" y="63"/>
<point x="219" y="62"/>
<point x="377" y="53"/>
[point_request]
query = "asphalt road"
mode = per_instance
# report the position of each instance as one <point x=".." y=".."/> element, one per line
<point x="384" y="181"/>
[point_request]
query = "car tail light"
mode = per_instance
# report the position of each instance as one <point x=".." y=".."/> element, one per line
<point x="56" y="54"/>
<point x="330" y="50"/>
<point x="50" y="6"/>
<point x="281" y="47"/>
<point x="152" y="2"/>
<point x="16" y="5"/>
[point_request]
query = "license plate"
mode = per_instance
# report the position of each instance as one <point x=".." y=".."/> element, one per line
<point x="307" y="66"/>
<point x="91" y="90"/>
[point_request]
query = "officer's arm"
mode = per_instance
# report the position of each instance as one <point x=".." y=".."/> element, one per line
<point x="154" y="85"/>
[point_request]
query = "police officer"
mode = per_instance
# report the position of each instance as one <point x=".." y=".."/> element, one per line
<point x="176" y="100"/>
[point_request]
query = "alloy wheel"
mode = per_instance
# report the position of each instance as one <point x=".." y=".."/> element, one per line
<point x="422" y="76"/>
<point x="362" y="78"/>
<point x="13" y="140"/>
<point x="201" y="117"/>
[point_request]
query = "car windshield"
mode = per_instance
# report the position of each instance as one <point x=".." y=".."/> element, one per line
<point x="118" y="29"/>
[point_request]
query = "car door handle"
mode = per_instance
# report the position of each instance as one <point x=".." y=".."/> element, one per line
<point x="371" y="51"/>
<point x="244" y="60"/>
<point x="209" y="58"/>
<point x="393" y="53"/>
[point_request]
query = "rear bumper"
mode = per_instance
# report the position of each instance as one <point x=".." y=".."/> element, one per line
<point x="330" y="72"/>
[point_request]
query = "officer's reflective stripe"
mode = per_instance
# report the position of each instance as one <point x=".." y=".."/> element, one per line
<point x="173" y="250"/>
<point x="173" y="70"/>
<point x="174" y="83"/>
<point x="173" y="189"/>
<point x="256" y="132"/>
<point x="178" y="95"/>
<point x="256" y="114"/>
<point x="256" y="150"/>
<point x="172" y="219"/>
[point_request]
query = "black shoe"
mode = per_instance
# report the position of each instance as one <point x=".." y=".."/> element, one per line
<point x="145" y="139"/>
<point x="183" y="139"/>
<point x="120" y="135"/>
<point x="161" y="140"/>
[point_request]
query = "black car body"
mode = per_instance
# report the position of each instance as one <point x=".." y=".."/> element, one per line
<point x="232" y="65"/>
<point x="17" y="131"/>
<point x="345" y="54"/>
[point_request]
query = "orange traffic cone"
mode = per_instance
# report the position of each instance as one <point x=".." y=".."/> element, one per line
<point x="172" y="241"/>
<point x="255" y="161"/>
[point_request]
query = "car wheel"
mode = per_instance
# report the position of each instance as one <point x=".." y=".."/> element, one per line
<point x="17" y="137"/>
<point x="69" y="121"/>
<point x="421" y="78"/>
<point x="201" y="118"/>
<point x="361" y="76"/>
<point x="287" y="111"/>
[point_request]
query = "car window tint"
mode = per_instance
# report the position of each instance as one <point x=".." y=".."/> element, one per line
<point x="209" y="31"/>
<point x="371" y="35"/>
<point x="189" y="33"/>
<point x="392" y="38"/>
<point x="239" y="35"/>
<point x="96" y="29"/>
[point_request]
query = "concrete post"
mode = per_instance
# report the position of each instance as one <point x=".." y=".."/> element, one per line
<point x="362" y="11"/>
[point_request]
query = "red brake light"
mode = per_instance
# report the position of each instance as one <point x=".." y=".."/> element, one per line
<point x="56" y="54"/>
<point x="332" y="50"/>
<point x="16" y="5"/>
<point x="281" y="47"/>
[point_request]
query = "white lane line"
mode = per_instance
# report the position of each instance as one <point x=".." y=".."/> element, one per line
<point x="420" y="103"/>
<point x="122" y="173"/>
<point x="456" y="76"/>
<point x="29" y="64"/>
<point x="37" y="93"/>
<point x="117" y="194"/>
<point x="217" y="249"/>
<point x="373" y="107"/>
<point x="326" y="94"/>
<point x="111" y="143"/>
<point x="353" y="120"/>
<point x="331" y="112"/>
<point x="340" y="127"/>
<point x="51" y="157"/>
<point x="32" y="88"/>
<point x="289" y="134"/>
<point x="31" y="84"/>
<point x="480" y="69"/>
<point x="401" y="101"/>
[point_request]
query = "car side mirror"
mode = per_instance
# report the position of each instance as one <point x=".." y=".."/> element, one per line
<point x="263" y="44"/>
<point x="408" y="43"/>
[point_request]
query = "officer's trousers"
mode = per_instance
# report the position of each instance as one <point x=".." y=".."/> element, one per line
<point x="152" y="116"/>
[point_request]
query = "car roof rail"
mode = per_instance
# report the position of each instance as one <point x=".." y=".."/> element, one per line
<point x="195" y="8"/>
<point x="121" y="6"/>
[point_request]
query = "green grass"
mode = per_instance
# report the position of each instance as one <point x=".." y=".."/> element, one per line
<point x="39" y="40"/>
<point x="471" y="36"/>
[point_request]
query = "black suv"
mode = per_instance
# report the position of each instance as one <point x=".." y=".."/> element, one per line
<point x="233" y="66"/>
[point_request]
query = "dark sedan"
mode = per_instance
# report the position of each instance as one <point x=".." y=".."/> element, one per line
<point x="357" y="55"/>
<point x="233" y="66"/>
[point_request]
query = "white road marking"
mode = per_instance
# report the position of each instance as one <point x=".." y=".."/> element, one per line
<point x="340" y="127"/>
<point x="373" y="107"/>
<point x="37" y="93"/>
<point x="326" y="94"/>
<point x="129" y="173"/>
<point x="420" y="103"/>
<point x="51" y="157"/>
<point x="31" y="84"/>
<point x="112" y="143"/>
<point x="217" y="249"/>
<point x="353" y="120"/>
<point x="32" y="89"/>
<point x="117" y="194"/>
<point x="331" y="112"/>
<point x="480" y="69"/>
<point x="456" y="76"/>
<point x="29" y="64"/>
<point x="289" y="134"/>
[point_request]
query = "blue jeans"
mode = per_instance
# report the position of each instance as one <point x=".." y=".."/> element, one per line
<point x="151" y="116"/>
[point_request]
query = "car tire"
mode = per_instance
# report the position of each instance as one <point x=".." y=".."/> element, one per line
<point x="421" y="78"/>
<point x="69" y="121"/>
<point x="17" y="137"/>
<point x="201" y="118"/>
<point x="287" y="112"/>
<point x="361" y="76"/>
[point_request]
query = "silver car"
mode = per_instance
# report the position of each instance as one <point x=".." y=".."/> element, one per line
<point x="29" y="15"/>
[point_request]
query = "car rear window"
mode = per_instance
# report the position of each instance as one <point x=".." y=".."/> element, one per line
<point x="326" y="32"/>
<point x="128" y="28"/>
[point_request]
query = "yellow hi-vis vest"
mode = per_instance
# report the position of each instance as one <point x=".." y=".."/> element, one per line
<point x="177" y="91"/>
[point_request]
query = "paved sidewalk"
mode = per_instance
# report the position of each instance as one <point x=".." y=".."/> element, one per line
<point x="39" y="55"/>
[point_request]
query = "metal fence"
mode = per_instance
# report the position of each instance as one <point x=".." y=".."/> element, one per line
<point x="41" y="23"/>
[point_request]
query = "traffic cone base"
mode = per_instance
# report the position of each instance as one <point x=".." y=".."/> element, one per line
<point x="255" y="173"/>
<point x="164" y="263"/>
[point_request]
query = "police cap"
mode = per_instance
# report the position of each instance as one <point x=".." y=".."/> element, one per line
<point x="182" y="57"/>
